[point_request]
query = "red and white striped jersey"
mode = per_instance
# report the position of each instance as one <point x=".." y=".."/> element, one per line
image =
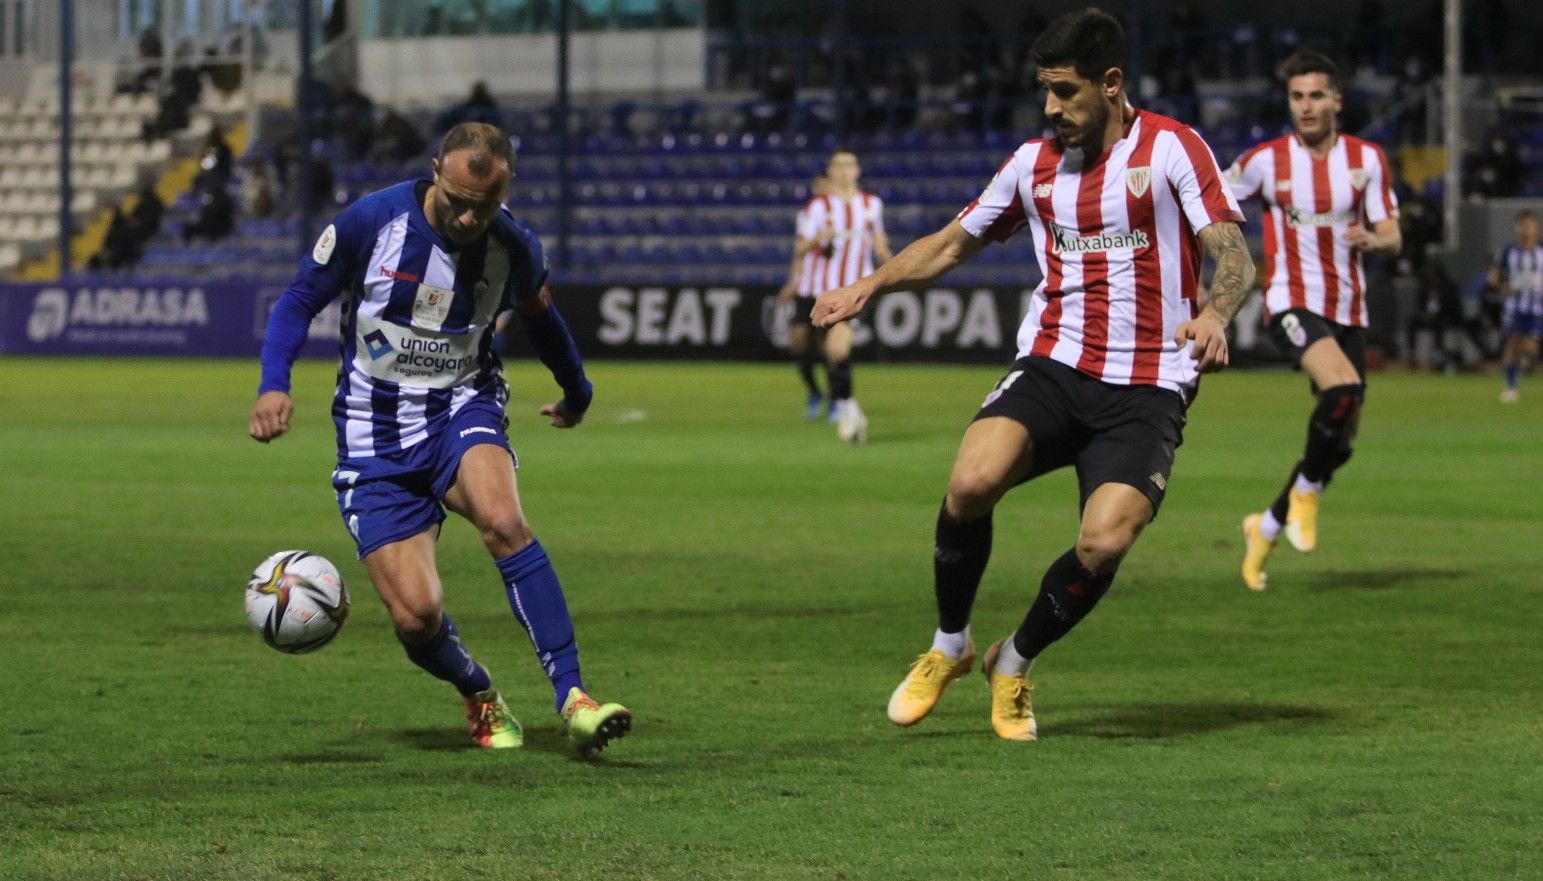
<point x="1310" y="202"/>
<point x="812" y="264"/>
<point x="1116" y="239"/>
<point x="852" y="225"/>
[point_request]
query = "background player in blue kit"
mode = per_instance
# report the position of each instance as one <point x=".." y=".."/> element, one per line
<point x="1518" y="273"/>
<point x="425" y="268"/>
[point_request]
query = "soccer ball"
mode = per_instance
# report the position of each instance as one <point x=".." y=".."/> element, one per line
<point x="296" y="601"/>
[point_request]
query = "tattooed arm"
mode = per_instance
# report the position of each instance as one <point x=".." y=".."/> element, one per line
<point x="1231" y="284"/>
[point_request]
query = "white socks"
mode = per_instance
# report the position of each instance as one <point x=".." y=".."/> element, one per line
<point x="1269" y="527"/>
<point x="1308" y="486"/>
<point x="1010" y="663"/>
<point x="952" y="644"/>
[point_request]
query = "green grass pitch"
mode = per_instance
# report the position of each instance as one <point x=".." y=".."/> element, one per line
<point x="754" y="590"/>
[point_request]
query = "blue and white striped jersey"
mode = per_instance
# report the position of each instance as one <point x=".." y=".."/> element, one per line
<point x="417" y="340"/>
<point x="1523" y="268"/>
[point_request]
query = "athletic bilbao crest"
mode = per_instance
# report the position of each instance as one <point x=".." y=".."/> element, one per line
<point x="1358" y="178"/>
<point x="1138" y="180"/>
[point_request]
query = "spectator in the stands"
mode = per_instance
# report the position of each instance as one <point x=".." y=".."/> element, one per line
<point x="215" y="161"/>
<point x="216" y="216"/>
<point x="479" y="106"/>
<point x="397" y="139"/>
<point x="120" y="248"/>
<point x="257" y="192"/>
<point x="353" y="118"/>
<point x="147" y="213"/>
<point x="150" y="51"/>
<point x="223" y="71"/>
<point x="1499" y="171"/>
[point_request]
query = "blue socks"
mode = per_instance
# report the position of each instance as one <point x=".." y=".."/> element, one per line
<point x="444" y="657"/>
<point x="536" y="597"/>
<point x="1513" y="376"/>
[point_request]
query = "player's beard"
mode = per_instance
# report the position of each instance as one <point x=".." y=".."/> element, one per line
<point x="1089" y="132"/>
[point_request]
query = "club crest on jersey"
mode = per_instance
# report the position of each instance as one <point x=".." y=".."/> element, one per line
<point x="1138" y="180"/>
<point x="1358" y="178"/>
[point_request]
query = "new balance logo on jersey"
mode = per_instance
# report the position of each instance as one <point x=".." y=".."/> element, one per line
<point x="1062" y="241"/>
<point x="1042" y="191"/>
<point x="1297" y="217"/>
<point x="377" y="345"/>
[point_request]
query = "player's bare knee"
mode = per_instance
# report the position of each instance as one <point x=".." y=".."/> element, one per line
<point x="1100" y="549"/>
<point x="972" y="492"/>
<point x="504" y="531"/>
<point x="416" y="621"/>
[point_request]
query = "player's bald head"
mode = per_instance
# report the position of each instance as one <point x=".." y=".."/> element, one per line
<point x="477" y="150"/>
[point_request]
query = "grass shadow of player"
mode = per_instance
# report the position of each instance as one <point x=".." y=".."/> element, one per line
<point x="1380" y="579"/>
<point x="551" y="739"/>
<point x="1158" y="721"/>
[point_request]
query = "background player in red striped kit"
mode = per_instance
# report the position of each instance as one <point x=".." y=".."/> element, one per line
<point x="1328" y="199"/>
<point x="847" y="225"/>
<point x="1119" y="203"/>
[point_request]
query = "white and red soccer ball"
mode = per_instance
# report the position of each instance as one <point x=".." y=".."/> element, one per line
<point x="296" y="601"/>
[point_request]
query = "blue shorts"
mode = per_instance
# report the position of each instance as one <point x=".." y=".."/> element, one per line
<point x="1524" y="324"/>
<point x="384" y="499"/>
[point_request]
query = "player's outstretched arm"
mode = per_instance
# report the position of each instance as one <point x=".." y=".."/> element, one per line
<point x="922" y="261"/>
<point x="554" y="345"/>
<point x="1230" y="287"/>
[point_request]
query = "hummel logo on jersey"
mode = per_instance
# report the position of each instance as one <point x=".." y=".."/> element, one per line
<point x="1137" y="180"/>
<point x="1062" y="241"/>
<point x="1041" y="191"/>
<point x="399" y="276"/>
<point x="377" y="345"/>
<point x="480" y="429"/>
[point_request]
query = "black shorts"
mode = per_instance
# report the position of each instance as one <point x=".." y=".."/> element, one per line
<point x="1111" y="433"/>
<point x="1296" y="329"/>
<point x="803" y="311"/>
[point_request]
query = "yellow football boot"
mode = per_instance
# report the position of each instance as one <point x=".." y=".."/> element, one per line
<point x="1302" y="520"/>
<point x="1256" y="550"/>
<point x="1012" y="699"/>
<point x="924" y="683"/>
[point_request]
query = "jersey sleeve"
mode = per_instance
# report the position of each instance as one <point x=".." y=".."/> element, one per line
<point x="1246" y="176"/>
<point x="1381" y="203"/>
<point x="998" y="212"/>
<point x="815" y="219"/>
<point x="530" y="296"/>
<point x="878" y="216"/>
<point x="801" y="227"/>
<point x="1195" y="176"/>
<point x="329" y="270"/>
<point x="528" y="271"/>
